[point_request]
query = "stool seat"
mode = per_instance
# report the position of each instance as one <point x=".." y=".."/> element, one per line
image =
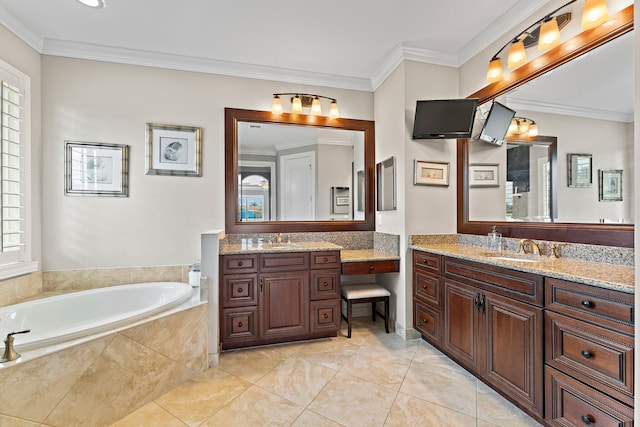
<point x="369" y="290"/>
<point x="365" y="293"/>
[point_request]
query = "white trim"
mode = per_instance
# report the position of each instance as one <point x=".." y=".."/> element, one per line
<point x="18" y="269"/>
<point x="16" y="26"/>
<point x="569" y="110"/>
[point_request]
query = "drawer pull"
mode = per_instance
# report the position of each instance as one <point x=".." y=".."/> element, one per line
<point x="326" y="259"/>
<point x="325" y="284"/>
<point x="586" y="304"/>
<point x="424" y="320"/>
<point x="239" y="263"/>
<point x="586" y="354"/>
<point x="371" y="268"/>
<point x="424" y="286"/>
<point x="239" y="324"/>
<point x="587" y="419"/>
<point x="239" y="290"/>
<point x="326" y="316"/>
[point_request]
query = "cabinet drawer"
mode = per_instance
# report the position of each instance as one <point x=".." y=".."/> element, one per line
<point x="239" y="264"/>
<point x="525" y="287"/>
<point x="325" y="316"/>
<point x="329" y="259"/>
<point x="604" y="307"/>
<point x="290" y="261"/>
<point x="370" y="267"/>
<point x="427" y="287"/>
<point x="591" y="353"/>
<point x="427" y="261"/>
<point x="239" y="324"/>
<point x="239" y="290"/>
<point x="571" y="403"/>
<point x="325" y="284"/>
<point x="428" y="322"/>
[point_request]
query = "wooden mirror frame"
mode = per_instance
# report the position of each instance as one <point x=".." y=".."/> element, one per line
<point x="232" y="225"/>
<point x="598" y="234"/>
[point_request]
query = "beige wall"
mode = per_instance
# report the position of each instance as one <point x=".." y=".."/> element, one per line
<point x="161" y="220"/>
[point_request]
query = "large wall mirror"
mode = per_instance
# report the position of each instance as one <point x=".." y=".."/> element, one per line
<point x="580" y="95"/>
<point x="295" y="173"/>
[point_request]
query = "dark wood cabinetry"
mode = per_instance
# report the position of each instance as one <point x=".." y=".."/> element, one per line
<point x="270" y="298"/>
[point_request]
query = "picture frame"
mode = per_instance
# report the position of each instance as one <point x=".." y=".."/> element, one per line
<point x="173" y="150"/>
<point x="96" y="169"/>
<point x="610" y="185"/>
<point x="430" y="173"/>
<point x="579" y="170"/>
<point x="484" y="175"/>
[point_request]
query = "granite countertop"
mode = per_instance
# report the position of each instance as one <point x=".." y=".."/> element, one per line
<point x="359" y="255"/>
<point x="611" y="276"/>
<point x="253" y="246"/>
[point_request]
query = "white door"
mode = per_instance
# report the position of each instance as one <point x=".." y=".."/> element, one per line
<point x="297" y="186"/>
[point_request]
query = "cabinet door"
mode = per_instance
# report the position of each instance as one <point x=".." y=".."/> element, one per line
<point x="460" y="323"/>
<point x="513" y="337"/>
<point x="284" y="303"/>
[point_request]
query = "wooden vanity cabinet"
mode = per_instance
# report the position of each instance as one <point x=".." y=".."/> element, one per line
<point x="492" y="323"/>
<point x="589" y="355"/>
<point x="278" y="297"/>
<point x="427" y="296"/>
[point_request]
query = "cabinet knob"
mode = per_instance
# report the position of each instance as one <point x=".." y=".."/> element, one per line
<point x="424" y="321"/>
<point x="586" y="354"/>
<point x="239" y="289"/>
<point x="371" y="268"/>
<point x="239" y="263"/>
<point x="587" y="419"/>
<point x="586" y="304"/>
<point x="424" y="286"/>
<point x="326" y="316"/>
<point x="326" y="259"/>
<point x="239" y="324"/>
<point x="325" y="284"/>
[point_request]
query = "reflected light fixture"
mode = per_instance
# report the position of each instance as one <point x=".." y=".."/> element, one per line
<point x="96" y="4"/>
<point x="300" y="101"/>
<point x="523" y="127"/>
<point x="547" y="32"/>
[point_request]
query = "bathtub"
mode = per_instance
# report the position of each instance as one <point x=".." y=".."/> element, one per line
<point x="61" y="318"/>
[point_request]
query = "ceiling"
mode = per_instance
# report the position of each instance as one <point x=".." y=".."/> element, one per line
<point x="350" y="44"/>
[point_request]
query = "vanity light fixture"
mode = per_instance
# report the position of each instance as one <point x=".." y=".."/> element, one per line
<point x="96" y="4"/>
<point x="547" y="33"/>
<point x="300" y="101"/>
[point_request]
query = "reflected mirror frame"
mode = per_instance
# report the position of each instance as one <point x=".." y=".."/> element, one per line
<point x="233" y="226"/>
<point x="599" y="234"/>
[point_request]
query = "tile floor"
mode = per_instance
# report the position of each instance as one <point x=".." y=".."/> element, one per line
<point x="372" y="379"/>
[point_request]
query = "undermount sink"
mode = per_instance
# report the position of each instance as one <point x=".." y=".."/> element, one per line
<point x="282" y="245"/>
<point x="516" y="257"/>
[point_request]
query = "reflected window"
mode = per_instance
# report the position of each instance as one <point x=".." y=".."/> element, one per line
<point x="253" y="197"/>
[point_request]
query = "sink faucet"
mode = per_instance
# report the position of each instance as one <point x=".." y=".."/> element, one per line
<point x="279" y="240"/>
<point x="533" y="248"/>
<point x="9" y="353"/>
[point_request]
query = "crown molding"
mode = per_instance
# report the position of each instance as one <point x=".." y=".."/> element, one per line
<point x="201" y="65"/>
<point x="16" y="26"/>
<point x="569" y="110"/>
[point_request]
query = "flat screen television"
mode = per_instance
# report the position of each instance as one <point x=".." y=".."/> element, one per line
<point x="444" y="118"/>
<point x="497" y="124"/>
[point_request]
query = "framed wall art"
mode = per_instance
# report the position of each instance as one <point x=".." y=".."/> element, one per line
<point x="483" y="175"/>
<point x="173" y="150"/>
<point x="610" y="185"/>
<point x="430" y="173"/>
<point x="95" y="169"/>
<point x="579" y="170"/>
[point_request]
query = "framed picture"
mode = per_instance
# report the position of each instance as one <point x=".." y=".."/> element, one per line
<point x="95" y="169"/>
<point x="173" y="150"/>
<point x="484" y="175"/>
<point x="430" y="173"/>
<point x="342" y="201"/>
<point x="610" y="185"/>
<point x="579" y="170"/>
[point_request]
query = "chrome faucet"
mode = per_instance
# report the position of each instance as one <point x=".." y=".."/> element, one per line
<point x="533" y="248"/>
<point x="9" y="353"/>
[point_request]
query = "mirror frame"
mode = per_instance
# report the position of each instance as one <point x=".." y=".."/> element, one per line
<point x="591" y="233"/>
<point x="233" y="226"/>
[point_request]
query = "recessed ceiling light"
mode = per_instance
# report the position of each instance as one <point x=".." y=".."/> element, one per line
<point x="96" y="4"/>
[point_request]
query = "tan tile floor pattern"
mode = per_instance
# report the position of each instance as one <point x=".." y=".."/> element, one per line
<point x="372" y="379"/>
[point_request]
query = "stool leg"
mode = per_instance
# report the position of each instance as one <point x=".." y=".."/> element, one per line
<point x="348" y="318"/>
<point x="373" y="311"/>
<point x="386" y="314"/>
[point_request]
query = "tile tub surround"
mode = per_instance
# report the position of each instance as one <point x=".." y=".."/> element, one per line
<point x="102" y="380"/>
<point x="18" y="289"/>
<point x="601" y="274"/>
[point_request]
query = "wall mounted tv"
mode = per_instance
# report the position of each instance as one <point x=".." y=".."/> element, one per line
<point x="444" y="118"/>
<point x="497" y="124"/>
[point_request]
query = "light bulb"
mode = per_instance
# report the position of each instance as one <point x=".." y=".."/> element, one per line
<point x="533" y="130"/>
<point x="276" y="105"/>
<point x="513" y="127"/>
<point x="549" y="35"/>
<point x="517" y="56"/>
<point x="316" y="108"/>
<point x="96" y="4"/>
<point x="594" y="14"/>
<point x="333" y="110"/>
<point x="296" y="105"/>
<point x="494" y="73"/>
<point x="523" y="127"/>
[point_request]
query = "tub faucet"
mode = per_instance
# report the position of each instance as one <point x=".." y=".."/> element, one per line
<point x="533" y="247"/>
<point x="9" y="353"/>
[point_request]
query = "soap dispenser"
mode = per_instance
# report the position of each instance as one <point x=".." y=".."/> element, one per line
<point x="494" y="240"/>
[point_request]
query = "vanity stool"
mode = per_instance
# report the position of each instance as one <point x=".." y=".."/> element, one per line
<point x="364" y="293"/>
